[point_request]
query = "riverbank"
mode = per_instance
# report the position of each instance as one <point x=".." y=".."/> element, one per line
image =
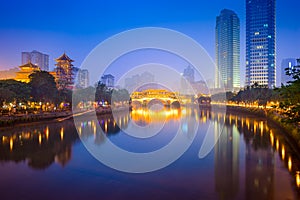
<point x="11" y="120"/>
<point x="292" y="132"/>
<point x="23" y="119"/>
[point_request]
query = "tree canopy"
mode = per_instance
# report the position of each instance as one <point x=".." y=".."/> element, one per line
<point x="43" y="87"/>
<point x="290" y="96"/>
<point x="12" y="90"/>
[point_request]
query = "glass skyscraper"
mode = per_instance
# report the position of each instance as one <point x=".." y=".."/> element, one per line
<point x="260" y="43"/>
<point x="228" y="50"/>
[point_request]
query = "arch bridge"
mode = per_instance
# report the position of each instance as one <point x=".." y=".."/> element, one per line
<point x="155" y="96"/>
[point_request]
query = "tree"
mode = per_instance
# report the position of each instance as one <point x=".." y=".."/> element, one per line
<point x="6" y="96"/>
<point x="84" y="95"/>
<point x="43" y="87"/>
<point x="12" y="90"/>
<point x="64" y="95"/>
<point x="102" y="93"/>
<point x="255" y="93"/>
<point x="290" y="96"/>
<point x="120" y="95"/>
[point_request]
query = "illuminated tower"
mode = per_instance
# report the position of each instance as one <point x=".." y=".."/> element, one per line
<point x="64" y="72"/>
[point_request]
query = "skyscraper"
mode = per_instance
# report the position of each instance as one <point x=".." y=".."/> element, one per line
<point x="228" y="50"/>
<point x="36" y="58"/>
<point x="287" y="63"/>
<point x="82" y="78"/>
<point x="188" y="74"/>
<point x="260" y="43"/>
<point x="188" y="78"/>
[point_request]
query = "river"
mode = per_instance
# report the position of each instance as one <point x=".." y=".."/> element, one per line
<point x="251" y="160"/>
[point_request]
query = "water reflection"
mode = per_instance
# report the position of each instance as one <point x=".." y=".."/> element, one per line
<point x="227" y="162"/>
<point x="40" y="146"/>
<point x="260" y="152"/>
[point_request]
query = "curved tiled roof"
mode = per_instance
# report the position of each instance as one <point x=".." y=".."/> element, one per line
<point x="64" y="57"/>
<point x="29" y="64"/>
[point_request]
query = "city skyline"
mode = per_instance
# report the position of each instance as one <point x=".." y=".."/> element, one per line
<point x="79" y="34"/>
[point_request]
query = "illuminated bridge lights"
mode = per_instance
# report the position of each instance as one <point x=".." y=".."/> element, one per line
<point x="165" y="97"/>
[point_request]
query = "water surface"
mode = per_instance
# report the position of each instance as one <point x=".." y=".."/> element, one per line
<point x="251" y="160"/>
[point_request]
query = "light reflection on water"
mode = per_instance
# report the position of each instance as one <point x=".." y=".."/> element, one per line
<point x="251" y="159"/>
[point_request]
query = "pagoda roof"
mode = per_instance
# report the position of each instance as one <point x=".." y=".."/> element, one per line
<point x="29" y="65"/>
<point x="64" y="57"/>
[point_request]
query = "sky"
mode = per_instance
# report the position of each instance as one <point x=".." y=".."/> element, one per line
<point x="76" y="27"/>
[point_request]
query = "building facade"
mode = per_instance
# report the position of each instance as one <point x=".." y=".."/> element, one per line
<point x="108" y="80"/>
<point x="82" y="78"/>
<point x="36" y="58"/>
<point x="287" y="63"/>
<point x="260" y="43"/>
<point x="227" y="51"/>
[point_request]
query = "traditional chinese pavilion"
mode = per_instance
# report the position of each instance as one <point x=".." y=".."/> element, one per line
<point x="25" y="71"/>
<point x="64" y="72"/>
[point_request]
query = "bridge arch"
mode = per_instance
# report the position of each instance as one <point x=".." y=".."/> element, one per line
<point x="158" y="102"/>
<point x="175" y="104"/>
<point x="136" y="104"/>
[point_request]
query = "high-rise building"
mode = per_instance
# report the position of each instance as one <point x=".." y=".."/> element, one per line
<point x="36" y="58"/>
<point x="287" y="63"/>
<point x="188" y="74"/>
<point x="187" y="79"/>
<point x="108" y="80"/>
<point x="228" y="50"/>
<point x="82" y="78"/>
<point x="260" y="43"/>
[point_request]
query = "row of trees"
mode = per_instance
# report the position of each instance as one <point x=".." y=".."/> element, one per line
<point x="288" y="96"/>
<point x="251" y="95"/>
<point x="256" y="94"/>
<point x="100" y="93"/>
<point x="42" y="88"/>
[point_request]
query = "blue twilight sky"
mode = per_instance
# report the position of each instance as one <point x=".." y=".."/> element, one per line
<point x="76" y="27"/>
